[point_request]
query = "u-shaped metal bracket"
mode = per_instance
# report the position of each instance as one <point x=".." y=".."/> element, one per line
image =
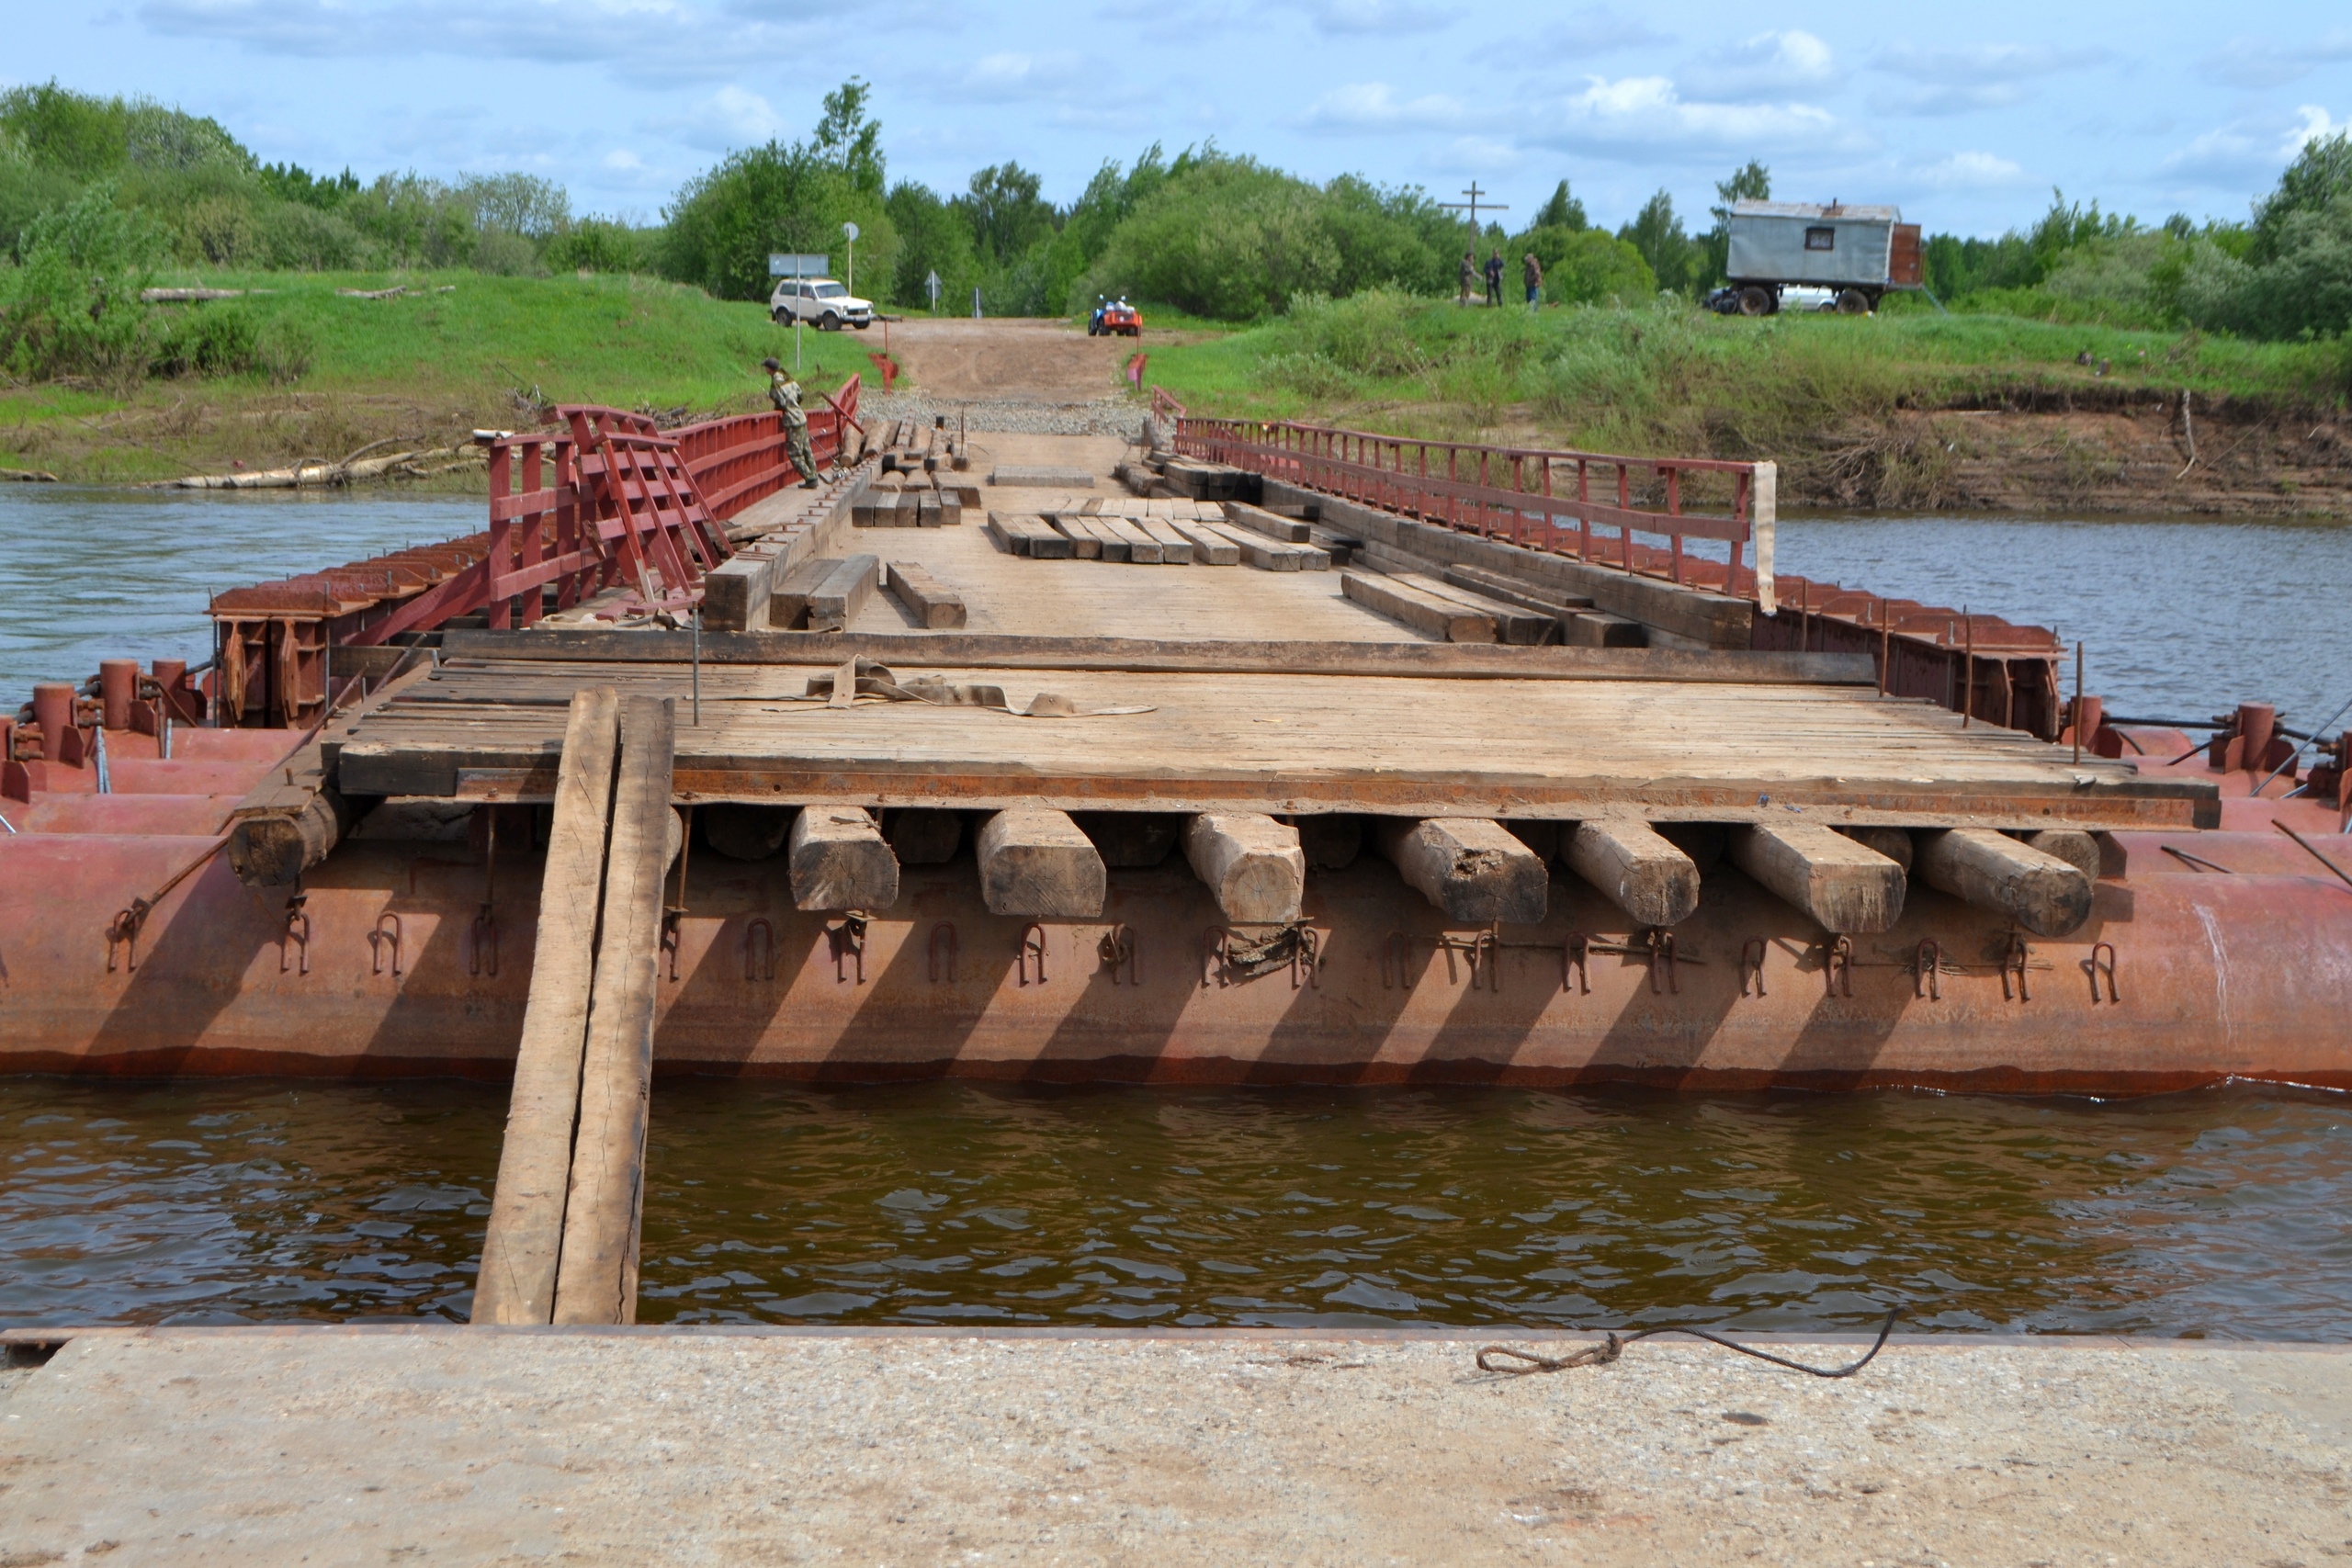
<point x="379" y="939"/>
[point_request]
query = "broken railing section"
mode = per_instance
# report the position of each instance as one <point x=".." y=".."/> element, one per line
<point x="1606" y="509"/>
<point x="603" y="499"/>
<point x="565" y="1219"/>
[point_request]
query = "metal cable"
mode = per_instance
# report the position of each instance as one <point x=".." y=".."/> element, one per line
<point x="1610" y="1349"/>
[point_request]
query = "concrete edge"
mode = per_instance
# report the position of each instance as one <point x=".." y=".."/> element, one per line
<point x="1446" y="1335"/>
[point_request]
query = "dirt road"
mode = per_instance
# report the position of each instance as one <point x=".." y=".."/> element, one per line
<point x="1007" y="360"/>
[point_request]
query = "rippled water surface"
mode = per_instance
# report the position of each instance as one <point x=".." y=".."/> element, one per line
<point x="92" y="574"/>
<point x="2217" y="1213"/>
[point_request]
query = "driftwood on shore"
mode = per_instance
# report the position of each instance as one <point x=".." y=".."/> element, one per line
<point x="392" y="293"/>
<point x="420" y="463"/>
<point x="27" y="476"/>
<point x="193" y="296"/>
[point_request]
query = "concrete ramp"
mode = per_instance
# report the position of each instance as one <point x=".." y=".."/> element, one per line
<point x="563" y="1226"/>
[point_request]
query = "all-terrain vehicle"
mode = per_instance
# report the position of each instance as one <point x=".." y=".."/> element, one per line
<point x="1115" y="318"/>
<point x="821" y="302"/>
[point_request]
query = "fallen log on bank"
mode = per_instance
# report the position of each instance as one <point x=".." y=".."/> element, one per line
<point x="420" y="463"/>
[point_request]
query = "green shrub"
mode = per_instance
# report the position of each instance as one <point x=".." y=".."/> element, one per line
<point x="298" y="237"/>
<point x="1587" y="266"/>
<point x="600" y="244"/>
<point x="72" y="307"/>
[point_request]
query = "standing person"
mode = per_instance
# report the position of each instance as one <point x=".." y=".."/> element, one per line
<point x="1532" y="272"/>
<point x="1495" y="278"/>
<point x="1469" y="276"/>
<point x="784" y="393"/>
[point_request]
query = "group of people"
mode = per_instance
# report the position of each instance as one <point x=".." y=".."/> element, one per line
<point x="1531" y="272"/>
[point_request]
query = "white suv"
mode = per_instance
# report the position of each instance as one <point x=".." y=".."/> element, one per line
<point x="821" y="302"/>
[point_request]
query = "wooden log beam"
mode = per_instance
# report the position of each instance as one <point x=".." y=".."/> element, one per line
<point x="1251" y="863"/>
<point x="1468" y="866"/>
<point x="597" y="1275"/>
<point x="1895" y="843"/>
<point x="2074" y="846"/>
<point x="839" y="860"/>
<point x="919" y="836"/>
<point x="1448" y="619"/>
<point x="518" y="1278"/>
<point x="1038" y="863"/>
<point x="1847" y="887"/>
<point x="2042" y="893"/>
<point x="1637" y="868"/>
<point x="932" y="603"/>
<point x="835" y="601"/>
<point x="274" y="851"/>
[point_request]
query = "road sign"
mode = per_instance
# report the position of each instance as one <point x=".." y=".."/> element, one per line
<point x="851" y="230"/>
<point x="790" y="263"/>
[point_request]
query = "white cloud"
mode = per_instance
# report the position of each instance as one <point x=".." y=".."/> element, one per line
<point x="2249" y="152"/>
<point x="1380" y="16"/>
<point x="731" y="116"/>
<point x="1008" y="76"/>
<point x="655" y="40"/>
<point x="1957" y="97"/>
<point x="1374" y="105"/>
<point x="2257" y="62"/>
<point x="1969" y="171"/>
<point x="623" y="161"/>
<point x="1981" y="62"/>
<point x="1769" y="65"/>
<point x="1597" y="29"/>
<point x="1640" y="115"/>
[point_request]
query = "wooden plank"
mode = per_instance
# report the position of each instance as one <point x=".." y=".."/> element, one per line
<point x="1846" y="885"/>
<point x="835" y="601"/>
<point x="986" y="650"/>
<point x="1042" y="478"/>
<point x="788" y="603"/>
<point x="1258" y="520"/>
<point x="597" y="1274"/>
<point x="927" y="599"/>
<point x="1209" y="547"/>
<point x="839" y="860"/>
<point x="1084" y="543"/>
<point x="1637" y="868"/>
<point x="1267" y="556"/>
<point x="1513" y="625"/>
<point x="2042" y="893"/>
<point x="517" y="1282"/>
<point x="1175" y="549"/>
<point x="1251" y="864"/>
<point x="1469" y="867"/>
<point x="1143" y="547"/>
<point x="1527" y="595"/>
<point x="1039" y="863"/>
<point x="1447" y="619"/>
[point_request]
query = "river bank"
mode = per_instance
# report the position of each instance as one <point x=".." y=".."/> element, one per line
<point x="352" y="1445"/>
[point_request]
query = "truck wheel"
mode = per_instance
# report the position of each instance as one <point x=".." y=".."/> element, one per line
<point x="780" y="316"/>
<point x="1755" y="302"/>
<point x="861" y="326"/>
<point x="1853" y="303"/>
<point x="829" y="322"/>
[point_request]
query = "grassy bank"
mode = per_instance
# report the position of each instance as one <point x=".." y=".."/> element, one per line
<point x="1670" y="377"/>
<point x="461" y="351"/>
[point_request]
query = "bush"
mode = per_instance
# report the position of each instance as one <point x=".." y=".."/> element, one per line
<point x="504" y="255"/>
<point x="297" y="237"/>
<point x="1588" y="266"/>
<point x="221" y="340"/>
<point x="73" y="308"/>
<point x="600" y="244"/>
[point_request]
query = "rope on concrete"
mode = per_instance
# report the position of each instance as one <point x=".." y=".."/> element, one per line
<point x="1610" y="1349"/>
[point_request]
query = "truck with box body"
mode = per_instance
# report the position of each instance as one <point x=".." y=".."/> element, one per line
<point x="1860" y="254"/>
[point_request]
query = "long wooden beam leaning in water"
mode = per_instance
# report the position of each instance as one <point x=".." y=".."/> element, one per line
<point x="597" y="1280"/>
<point x="517" y="1283"/>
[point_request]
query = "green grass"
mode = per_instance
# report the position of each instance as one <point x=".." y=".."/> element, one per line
<point x="429" y="365"/>
<point x="1669" y="376"/>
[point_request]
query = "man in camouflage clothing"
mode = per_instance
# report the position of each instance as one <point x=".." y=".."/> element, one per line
<point x="784" y="393"/>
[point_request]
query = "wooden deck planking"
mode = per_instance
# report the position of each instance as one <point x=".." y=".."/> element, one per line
<point x="1714" y="751"/>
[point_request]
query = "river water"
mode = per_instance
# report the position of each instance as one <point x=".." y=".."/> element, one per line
<point x="2210" y="1213"/>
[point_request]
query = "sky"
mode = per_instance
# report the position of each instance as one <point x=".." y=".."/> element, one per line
<point x="2148" y="109"/>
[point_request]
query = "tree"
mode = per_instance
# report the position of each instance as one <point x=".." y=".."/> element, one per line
<point x="1561" y="211"/>
<point x="2318" y="180"/>
<point x="1657" y="232"/>
<point x="934" y="238"/>
<point x="1587" y="267"/>
<point x="1006" y="214"/>
<point x="849" y="141"/>
<point x="1753" y="183"/>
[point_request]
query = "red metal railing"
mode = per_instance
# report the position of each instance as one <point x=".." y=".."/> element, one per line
<point x="1536" y="498"/>
<point x="606" y="499"/>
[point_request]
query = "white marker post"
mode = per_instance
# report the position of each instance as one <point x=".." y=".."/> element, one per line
<point x="798" y="266"/>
